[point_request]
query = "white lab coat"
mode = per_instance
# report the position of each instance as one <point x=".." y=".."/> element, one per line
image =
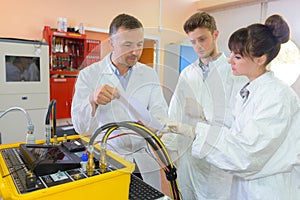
<point x="198" y="179"/>
<point x="262" y="146"/>
<point x="144" y="86"/>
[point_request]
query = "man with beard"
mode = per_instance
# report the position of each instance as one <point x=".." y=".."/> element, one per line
<point x="99" y="86"/>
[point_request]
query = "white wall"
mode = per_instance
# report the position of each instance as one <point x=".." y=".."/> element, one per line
<point x="229" y="20"/>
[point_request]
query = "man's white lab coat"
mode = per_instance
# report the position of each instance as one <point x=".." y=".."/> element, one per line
<point x="144" y="86"/>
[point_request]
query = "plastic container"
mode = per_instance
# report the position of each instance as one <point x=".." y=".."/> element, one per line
<point x="84" y="160"/>
<point x="64" y="24"/>
<point x="60" y="24"/>
<point x="81" y="28"/>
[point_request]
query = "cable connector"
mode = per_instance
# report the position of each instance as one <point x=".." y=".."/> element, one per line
<point x="103" y="162"/>
<point x="90" y="164"/>
<point x="30" y="138"/>
<point x="171" y="173"/>
<point x="48" y="133"/>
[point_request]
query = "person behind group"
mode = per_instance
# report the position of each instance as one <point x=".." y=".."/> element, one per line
<point x="16" y="68"/>
<point x="204" y="92"/>
<point x="33" y="71"/>
<point x="262" y="147"/>
<point x="98" y="88"/>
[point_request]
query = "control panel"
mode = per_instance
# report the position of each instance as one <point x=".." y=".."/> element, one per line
<point x="35" y="170"/>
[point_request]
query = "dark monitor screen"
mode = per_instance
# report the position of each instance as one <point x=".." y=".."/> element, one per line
<point x="22" y="68"/>
<point x="52" y="153"/>
<point x="48" y="159"/>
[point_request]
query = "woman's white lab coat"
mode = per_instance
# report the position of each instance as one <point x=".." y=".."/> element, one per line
<point x="144" y="86"/>
<point x="198" y="179"/>
<point x="262" y="146"/>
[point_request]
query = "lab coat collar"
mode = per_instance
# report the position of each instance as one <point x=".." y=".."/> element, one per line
<point x="255" y="84"/>
<point x="218" y="61"/>
<point x="261" y="80"/>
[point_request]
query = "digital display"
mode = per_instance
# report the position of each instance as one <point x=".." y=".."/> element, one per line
<point x="48" y="154"/>
<point x="48" y="159"/>
<point x="22" y="68"/>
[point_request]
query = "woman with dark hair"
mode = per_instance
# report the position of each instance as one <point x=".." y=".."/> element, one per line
<point x="262" y="148"/>
<point x="263" y="144"/>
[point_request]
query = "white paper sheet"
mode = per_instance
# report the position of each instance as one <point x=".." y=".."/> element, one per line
<point x="138" y="112"/>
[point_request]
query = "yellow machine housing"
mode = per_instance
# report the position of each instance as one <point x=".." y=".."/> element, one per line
<point x="110" y="185"/>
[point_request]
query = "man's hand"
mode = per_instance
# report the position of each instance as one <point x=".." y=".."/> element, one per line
<point x="104" y="94"/>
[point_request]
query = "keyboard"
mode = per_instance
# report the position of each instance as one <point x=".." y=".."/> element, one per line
<point x="139" y="190"/>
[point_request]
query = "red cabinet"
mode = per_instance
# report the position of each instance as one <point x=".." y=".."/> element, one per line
<point x="68" y="53"/>
<point x="62" y="89"/>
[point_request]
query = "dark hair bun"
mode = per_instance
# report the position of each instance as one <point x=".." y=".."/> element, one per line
<point x="279" y="28"/>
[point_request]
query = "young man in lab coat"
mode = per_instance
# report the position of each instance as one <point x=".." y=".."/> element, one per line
<point x="204" y="92"/>
<point x="98" y="88"/>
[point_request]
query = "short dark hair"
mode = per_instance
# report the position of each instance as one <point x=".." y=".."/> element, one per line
<point x="200" y="20"/>
<point x="260" y="39"/>
<point x="124" y="20"/>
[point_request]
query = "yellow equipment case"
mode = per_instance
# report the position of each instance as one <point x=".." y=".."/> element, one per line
<point x="18" y="182"/>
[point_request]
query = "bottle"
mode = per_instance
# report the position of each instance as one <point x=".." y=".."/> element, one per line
<point x="64" y="24"/>
<point x="59" y="24"/>
<point x="81" y="28"/>
<point x="84" y="160"/>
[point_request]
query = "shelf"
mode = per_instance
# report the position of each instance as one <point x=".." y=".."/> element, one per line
<point x="66" y="49"/>
<point x="68" y="35"/>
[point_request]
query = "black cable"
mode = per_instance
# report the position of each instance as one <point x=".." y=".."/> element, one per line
<point x="170" y="170"/>
<point x="48" y="114"/>
<point x="99" y="130"/>
<point x="148" y="139"/>
<point x="155" y="143"/>
<point x="54" y="117"/>
<point x="15" y="170"/>
<point x="51" y="112"/>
